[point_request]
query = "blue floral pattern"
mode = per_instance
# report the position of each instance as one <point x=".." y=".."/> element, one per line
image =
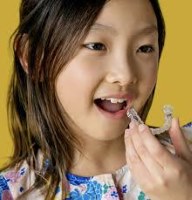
<point x="93" y="191"/>
<point x="4" y="190"/>
<point x="102" y="187"/>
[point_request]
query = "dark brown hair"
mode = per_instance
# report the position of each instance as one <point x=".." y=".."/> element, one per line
<point x="48" y="35"/>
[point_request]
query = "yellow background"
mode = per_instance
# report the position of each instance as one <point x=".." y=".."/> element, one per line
<point x="175" y="74"/>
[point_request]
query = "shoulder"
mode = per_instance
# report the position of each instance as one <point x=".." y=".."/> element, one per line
<point x="14" y="181"/>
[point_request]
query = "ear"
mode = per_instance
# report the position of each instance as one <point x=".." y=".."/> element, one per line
<point x="21" y="47"/>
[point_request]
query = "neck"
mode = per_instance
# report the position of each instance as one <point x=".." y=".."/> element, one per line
<point x="99" y="157"/>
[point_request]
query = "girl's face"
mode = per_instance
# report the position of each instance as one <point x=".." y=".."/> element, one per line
<point x="116" y="67"/>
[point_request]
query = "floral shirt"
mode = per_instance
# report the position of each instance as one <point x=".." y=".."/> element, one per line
<point x="116" y="186"/>
<point x="112" y="186"/>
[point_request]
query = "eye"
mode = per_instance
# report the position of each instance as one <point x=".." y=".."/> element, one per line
<point x="146" y="49"/>
<point x="95" y="46"/>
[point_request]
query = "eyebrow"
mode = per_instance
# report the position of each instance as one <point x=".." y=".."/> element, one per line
<point x="146" y="30"/>
<point x="103" y="27"/>
<point x="149" y="29"/>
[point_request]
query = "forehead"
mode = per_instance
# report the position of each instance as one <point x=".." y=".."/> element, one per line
<point x="127" y="15"/>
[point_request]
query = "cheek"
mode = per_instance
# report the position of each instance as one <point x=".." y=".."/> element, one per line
<point x="148" y="75"/>
<point x="77" y="82"/>
<point x="149" y="81"/>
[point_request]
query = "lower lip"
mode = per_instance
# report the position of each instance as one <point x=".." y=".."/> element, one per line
<point x="118" y="115"/>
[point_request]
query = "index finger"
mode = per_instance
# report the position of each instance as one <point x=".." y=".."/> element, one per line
<point x="157" y="150"/>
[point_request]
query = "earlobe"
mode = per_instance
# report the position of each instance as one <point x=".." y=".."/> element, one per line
<point x="21" y="47"/>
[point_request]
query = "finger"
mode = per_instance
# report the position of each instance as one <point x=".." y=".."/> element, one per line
<point x="181" y="147"/>
<point x="156" y="149"/>
<point x="149" y="161"/>
<point x="137" y="168"/>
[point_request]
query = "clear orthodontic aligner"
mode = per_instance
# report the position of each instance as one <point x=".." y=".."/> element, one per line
<point x="168" y="112"/>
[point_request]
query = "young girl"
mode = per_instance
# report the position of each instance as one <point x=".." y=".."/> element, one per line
<point x="79" y="66"/>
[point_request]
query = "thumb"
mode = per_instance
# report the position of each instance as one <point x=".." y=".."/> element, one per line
<point x="178" y="140"/>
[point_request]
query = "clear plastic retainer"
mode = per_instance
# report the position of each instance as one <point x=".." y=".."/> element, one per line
<point x="168" y="112"/>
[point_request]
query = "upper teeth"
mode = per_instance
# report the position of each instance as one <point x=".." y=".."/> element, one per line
<point x="114" y="100"/>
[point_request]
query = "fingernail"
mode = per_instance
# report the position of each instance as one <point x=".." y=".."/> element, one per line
<point x="127" y="133"/>
<point x="142" y="127"/>
<point x="175" y="122"/>
<point x="132" y="124"/>
<point x="178" y="122"/>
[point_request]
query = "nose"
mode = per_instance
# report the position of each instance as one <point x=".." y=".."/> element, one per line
<point x="122" y="72"/>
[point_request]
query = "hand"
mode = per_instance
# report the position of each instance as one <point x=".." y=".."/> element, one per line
<point x="160" y="174"/>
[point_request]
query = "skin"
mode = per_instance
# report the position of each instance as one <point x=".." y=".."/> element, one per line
<point x="168" y="176"/>
<point x="126" y="61"/>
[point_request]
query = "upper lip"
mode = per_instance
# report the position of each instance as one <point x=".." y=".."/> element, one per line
<point x="126" y="96"/>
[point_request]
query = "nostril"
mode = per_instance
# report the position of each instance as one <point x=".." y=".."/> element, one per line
<point x="122" y="78"/>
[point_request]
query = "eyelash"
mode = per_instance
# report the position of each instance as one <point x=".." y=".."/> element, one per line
<point x="97" y="46"/>
<point x="146" y="49"/>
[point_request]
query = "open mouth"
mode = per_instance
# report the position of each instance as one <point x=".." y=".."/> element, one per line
<point x="111" y="105"/>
